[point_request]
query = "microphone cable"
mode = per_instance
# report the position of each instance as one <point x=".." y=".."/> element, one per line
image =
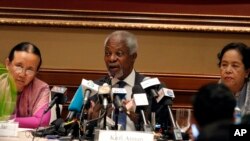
<point x="82" y="126"/>
<point x="42" y="130"/>
<point x="95" y="119"/>
<point x="40" y="122"/>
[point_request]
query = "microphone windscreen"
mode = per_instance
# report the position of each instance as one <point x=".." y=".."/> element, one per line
<point x="89" y="85"/>
<point x="60" y="93"/>
<point x="105" y="89"/>
<point x="77" y="101"/>
<point x="139" y="95"/>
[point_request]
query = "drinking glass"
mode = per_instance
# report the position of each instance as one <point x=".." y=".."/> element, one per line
<point x="183" y="117"/>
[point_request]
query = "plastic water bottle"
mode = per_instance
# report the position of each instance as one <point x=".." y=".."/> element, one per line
<point x="237" y="115"/>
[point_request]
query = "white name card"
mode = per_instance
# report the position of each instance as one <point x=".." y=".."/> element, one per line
<point x="9" y="129"/>
<point x="111" y="135"/>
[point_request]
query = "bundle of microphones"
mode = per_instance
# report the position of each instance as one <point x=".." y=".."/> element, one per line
<point x="150" y="98"/>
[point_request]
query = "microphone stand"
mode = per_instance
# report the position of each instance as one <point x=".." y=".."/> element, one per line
<point x="176" y="131"/>
<point x="116" y="118"/>
<point x="82" y="118"/>
<point x="105" y="103"/>
<point x="147" y="127"/>
<point x="118" y="109"/>
<point x="82" y="126"/>
<point x="58" y="111"/>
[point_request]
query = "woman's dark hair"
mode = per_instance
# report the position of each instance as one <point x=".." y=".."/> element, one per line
<point x="213" y="102"/>
<point x="27" y="47"/>
<point x="241" y="48"/>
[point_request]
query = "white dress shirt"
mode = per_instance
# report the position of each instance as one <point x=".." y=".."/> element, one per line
<point x="130" y="80"/>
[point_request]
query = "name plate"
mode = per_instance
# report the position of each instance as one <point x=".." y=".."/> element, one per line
<point x="9" y="129"/>
<point x="112" y="135"/>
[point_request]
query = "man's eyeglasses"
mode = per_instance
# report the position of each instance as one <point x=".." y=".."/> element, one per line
<point x="20" y="69"/>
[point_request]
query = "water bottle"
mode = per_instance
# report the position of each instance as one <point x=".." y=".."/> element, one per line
<point x="237" y="115"/>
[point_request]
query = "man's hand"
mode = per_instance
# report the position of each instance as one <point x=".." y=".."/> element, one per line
<point x="95" y="109"/>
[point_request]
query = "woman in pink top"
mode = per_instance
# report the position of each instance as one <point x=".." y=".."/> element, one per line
<point x="23" y="64"/>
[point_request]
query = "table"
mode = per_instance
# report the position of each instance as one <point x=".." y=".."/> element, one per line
<point x="24" y="134"/>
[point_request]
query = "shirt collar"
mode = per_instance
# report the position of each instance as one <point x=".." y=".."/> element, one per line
<point x="130" y="79"/>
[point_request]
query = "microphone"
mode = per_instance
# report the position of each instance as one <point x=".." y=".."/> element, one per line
<point x="90" y="89"/>
<point x="168" y="95"/>
<point x="79" y="98"/>
<point x="165" y="97"/>
<point x="58" y="96"/>
<point x="76" y="104"/>
<point x="118" y="103"/>
<point x="141" y="101"/>
<point x="117" y="93"/>
<point x="139" y="95"/>
<point x="104" y="90"/>
<point x="150" y="85"/>
<point x="164" y="93"/>
<point x="104" y="93"/>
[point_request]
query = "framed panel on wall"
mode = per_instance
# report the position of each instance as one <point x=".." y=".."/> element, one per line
<point x="171" y="15"/>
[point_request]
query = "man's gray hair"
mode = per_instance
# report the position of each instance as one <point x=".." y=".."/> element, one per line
<point x="125" y="37"/>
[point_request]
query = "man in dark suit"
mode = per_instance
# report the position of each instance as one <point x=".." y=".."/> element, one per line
<point x="120" y="53"/>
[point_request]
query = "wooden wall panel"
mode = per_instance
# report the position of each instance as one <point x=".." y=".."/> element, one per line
<point x="215" y="7"/>
<point x="205" y="16"/>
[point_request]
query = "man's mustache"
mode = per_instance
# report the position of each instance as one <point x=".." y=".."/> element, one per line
<point x="113" y="64"/>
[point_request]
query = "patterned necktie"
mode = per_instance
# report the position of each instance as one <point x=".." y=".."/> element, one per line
<point x="122" y="115"/>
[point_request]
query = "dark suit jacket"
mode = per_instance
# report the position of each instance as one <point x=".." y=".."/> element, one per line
<point x="162" y="115"/>
<point x="138" y="79"/>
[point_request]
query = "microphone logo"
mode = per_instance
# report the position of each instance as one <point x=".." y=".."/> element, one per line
<point x="104" y="89"/>
<point x="168" y="92"/>
<point x="90" y="84"/>
<point x="119" y="91"/>
<point x="57" y="89"/>
<point x="58" y="96"/>
<point x="150" y="82"/>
